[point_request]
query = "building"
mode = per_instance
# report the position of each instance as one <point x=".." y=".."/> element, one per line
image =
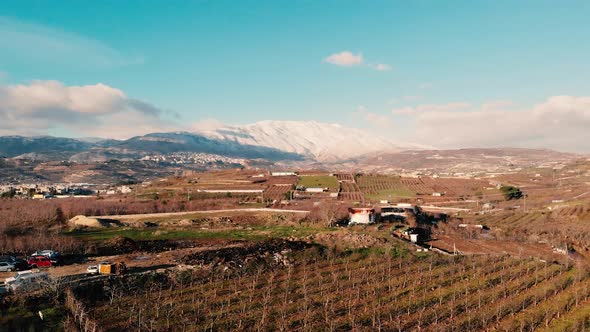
<point x="315" y="190"/>
<point x="283" y="173"/>
<point x="124" y="189"/>
<point x="361" y="215"/>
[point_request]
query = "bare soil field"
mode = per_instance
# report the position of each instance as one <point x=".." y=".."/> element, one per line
<point x="494" y="247"/>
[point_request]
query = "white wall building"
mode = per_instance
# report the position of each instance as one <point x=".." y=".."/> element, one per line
<point x="361" y="215"/>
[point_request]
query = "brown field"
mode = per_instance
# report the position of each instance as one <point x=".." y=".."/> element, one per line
<point x="246" y="269"/>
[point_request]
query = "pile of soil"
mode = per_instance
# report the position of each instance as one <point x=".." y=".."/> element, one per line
<point x="259" y="255"/>
<point x="344" y="240"/>
<point x="118" y="245"/>
<point x="83" y="222"/>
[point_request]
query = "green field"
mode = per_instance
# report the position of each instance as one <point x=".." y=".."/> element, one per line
<point x="391" y="193"/>
<point x="321" y="181"/>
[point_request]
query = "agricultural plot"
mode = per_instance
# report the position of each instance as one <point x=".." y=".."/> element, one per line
<point x="377" y="187"/>
<point x="350" y="191"/>
<point x="351" y="196"/>
<point x="364" y="291"/>
<point x="277" y="192"/>
<point x="319" y="181"/>
<point x="561" y="227"/>
<point x="344" y="177"/>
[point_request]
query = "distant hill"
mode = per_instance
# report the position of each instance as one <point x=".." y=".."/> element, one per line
<point x="41" y="147"/>
<point x="466" y="160"/>
<point x="308" y="142"/>
<point x="193" y="142"/>
<point x="48" y="148"/>
<point x="272" y="140"/>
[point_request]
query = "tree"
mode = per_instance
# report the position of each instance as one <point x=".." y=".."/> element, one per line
<point x="60" y="218"/>
<point x="511" y="192"/>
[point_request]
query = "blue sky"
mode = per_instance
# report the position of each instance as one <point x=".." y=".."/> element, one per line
<point x="243" y="61"/>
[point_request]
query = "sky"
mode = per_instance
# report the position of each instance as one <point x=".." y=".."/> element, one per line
<point x="448" y="74"/>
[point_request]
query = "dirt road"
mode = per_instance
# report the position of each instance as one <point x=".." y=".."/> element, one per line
<point x="175" y="214"/>
<point x="135" y="262"/>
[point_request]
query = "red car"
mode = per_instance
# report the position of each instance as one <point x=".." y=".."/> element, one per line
<point x="39" y="261"/>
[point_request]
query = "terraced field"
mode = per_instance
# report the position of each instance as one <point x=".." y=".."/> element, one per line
<point x="367" y="291"/>
<point x="376" y="187"/>
<point x="277" y="192"/>
<point x="350" y="191"/>
<point x="562" y="227"/>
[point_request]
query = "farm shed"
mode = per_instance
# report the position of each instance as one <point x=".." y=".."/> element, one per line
<point x="361" y="215"/>
<point x="283" y="173"/>
<point x="316" y="190"/>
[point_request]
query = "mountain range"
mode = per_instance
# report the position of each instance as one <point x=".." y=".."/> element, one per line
<point x="275" y="141"/>
<point x="272" y="140"/>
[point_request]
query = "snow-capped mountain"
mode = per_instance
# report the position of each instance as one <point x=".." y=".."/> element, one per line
<point x="270" y="140"/>
<point x="320" y="141"/>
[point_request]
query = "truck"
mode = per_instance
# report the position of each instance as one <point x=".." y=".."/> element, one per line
<point x="112" y="268"/>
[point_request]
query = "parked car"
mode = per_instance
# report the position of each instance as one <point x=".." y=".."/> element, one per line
<point x="28" y="282"/>
<point x="17" y="276"/>
<point x="92" y="270"/>
<point x="21" y="264"/>
<point x="7" y="267"/>
<point x="54" y="256"/>
<point x="39" y="261"/>
<point x="10" y="259"/>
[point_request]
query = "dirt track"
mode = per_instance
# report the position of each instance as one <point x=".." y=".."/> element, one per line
<point x="136" y="261"/>
<point x="175" y="214"/>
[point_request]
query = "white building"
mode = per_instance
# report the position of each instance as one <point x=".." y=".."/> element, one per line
<point x="283" y="173"/>
<point x="315" y="190"/>
<point x="361" y="215"/>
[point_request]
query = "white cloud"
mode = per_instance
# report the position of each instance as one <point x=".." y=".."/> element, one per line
<point x="348" y="59"/>
<point x="207" y="125"/>
<point x="453" y="106"/>
<point x="90" y="110"/>
<point x="345" y="58"/>
<point x="425" y="85"/>
<point x="406" y="110"/>
<point x="382" y="67"/>
<point x="25" y="41"/>
<point x="560" y="123"/>
<point x="495" y="105"/>
<point x="377" y="120"/>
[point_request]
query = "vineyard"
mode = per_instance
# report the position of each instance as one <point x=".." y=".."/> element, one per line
<point x="350" y="191"/>
<point x="376" y="187"/>
<point x="558" y="227"/>
<point x="344" y="177"/>
<point x="368" y="290"/>
<point x="277" y="192"/>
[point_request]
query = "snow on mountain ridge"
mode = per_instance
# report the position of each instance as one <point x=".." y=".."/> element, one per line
<point x="321" y="141"/>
